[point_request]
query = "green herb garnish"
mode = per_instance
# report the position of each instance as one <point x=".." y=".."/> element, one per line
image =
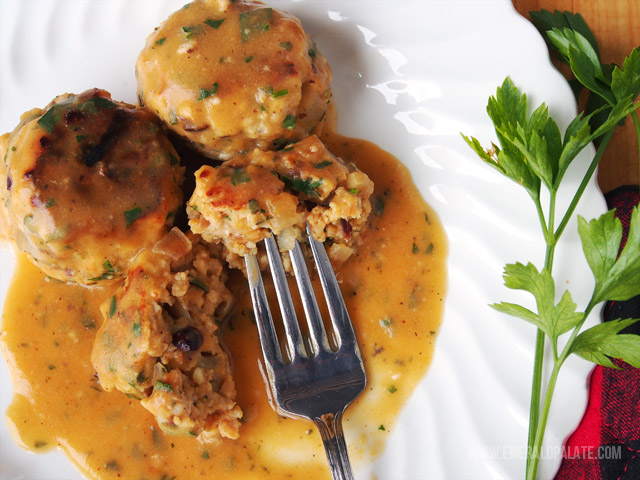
<point x="49" y="119"/>
<point x="112" y="307"/>
<point x="286" y="45"/>
<point x="214" y="23"/>
<point x="160" y="41"/>
<point x="280" y="93"/>
<point x="534" y="153"/>
<point x="204" y="93"/>
<point x="254" y="206"/>
<point x="50" y="203"/>
<point x="307" y="186"/>
<point x="136" y="329"/>
<point x="199" y="283"/>
<point x="80" y="138"/>
<point x="239" y="175"/>
<point x="289" y="122"/>
<point x="322" y="164"/>
<point x="163" y="386"/>
<point x="254" y="22"/>
<point x="108" y="274"/>
<point x="248" y="59"/>
<point x="192" y="31"/>
<point x="132" y="215"/>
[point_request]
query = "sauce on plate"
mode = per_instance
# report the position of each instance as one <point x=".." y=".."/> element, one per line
<point x="394" y="290"/>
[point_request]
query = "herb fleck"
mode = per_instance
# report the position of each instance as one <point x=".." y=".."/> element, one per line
<point x="49" y="119"/>
<point x="286" y="45"/>
<point x="163" y="386"/>
<point x="198" y="283"/>
<point x="322" y="164"/>
<point x="307" y="186"/>
<point x="253" y="205"/>
<point x="112" y="307"/>
<point x="239" y="175"/>
<point x="254" y="22"/>
<point x="160" y="41"/>
<point x="204" y="93"/>
<point x="132" y="215"/>
<point x="289" y="122"/>
<point x="214" y="23"/>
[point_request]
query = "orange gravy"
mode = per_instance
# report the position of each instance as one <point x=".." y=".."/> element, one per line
<point x="394" y="290"/>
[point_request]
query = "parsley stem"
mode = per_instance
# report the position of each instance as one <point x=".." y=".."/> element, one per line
<point x="536" y="383"/>
<point x="584" y="183"/>
<point x="534" y="453"/>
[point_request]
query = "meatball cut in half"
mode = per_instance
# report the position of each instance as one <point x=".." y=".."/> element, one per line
<point x="234" y="75"/>
<point x="253" y="196"/>
<point x="158" y="341"/>
<point x="86" y="183"/>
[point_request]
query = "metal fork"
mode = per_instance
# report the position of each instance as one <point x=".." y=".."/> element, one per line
<point x="320" y="383"/>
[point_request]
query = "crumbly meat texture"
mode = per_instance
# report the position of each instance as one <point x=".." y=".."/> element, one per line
<point x="159" y="339"/>
<point x="253" y="196"/>
<point x="232" y="76"/>
<point x="86" y="183"/>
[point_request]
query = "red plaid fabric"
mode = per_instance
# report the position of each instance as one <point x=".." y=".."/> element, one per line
<point x="607" y="441"/>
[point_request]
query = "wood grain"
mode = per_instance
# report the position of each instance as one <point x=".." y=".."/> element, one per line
<point x="616" y="26"/>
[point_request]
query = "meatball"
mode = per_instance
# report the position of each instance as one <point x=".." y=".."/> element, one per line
<point x="250" y="197"/>
<point x="233" y="75"/>
<point x="159" y="339"/>
<point x="86" y="183"/>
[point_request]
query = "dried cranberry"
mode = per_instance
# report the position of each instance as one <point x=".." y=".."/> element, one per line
<point x="188" y="339"/>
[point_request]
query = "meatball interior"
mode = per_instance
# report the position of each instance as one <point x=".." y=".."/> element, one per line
<point x="89" y="182"/>
<point x="159" y="343"/>
<point x="230" y="76"/>
<point x="253" y="196"/>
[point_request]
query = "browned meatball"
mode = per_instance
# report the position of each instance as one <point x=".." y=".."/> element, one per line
<point x="159" y="339"/>
<point x="86" y="183"/>
<point x="250" y="197"/>
<point x="230" y="76"/>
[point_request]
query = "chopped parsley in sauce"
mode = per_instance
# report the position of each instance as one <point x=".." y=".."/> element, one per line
<point x="205" y="93"/>
<point x="254" y="22"/>
<point x="214" y="23"/>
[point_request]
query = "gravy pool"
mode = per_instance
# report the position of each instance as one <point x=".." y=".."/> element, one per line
<point x="394" y="290"/>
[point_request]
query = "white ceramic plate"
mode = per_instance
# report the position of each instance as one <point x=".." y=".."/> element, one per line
<point x="410" y="76"/>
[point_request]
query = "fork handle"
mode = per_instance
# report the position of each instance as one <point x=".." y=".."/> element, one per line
<point x="330" y="427"/>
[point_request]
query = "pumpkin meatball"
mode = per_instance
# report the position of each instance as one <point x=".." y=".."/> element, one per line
<point x="253" y="196"/>
<point x="86" y="184"/>
<point x="233" y="75"/>
<point x="159" y="339"/>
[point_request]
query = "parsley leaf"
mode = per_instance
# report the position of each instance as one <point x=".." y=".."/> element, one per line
<point x="553" y="319"/>
<point x="602" y="341"/>
<point x="616" y="279"/>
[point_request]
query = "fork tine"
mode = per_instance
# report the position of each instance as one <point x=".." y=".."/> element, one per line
<point x="333" y="295"/>
<point x="266" y="330"/>
<point x="317" y="334"/>
<point x="289" y="318"/>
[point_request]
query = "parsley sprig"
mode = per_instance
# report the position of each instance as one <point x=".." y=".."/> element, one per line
<point x="533" y="152"/>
